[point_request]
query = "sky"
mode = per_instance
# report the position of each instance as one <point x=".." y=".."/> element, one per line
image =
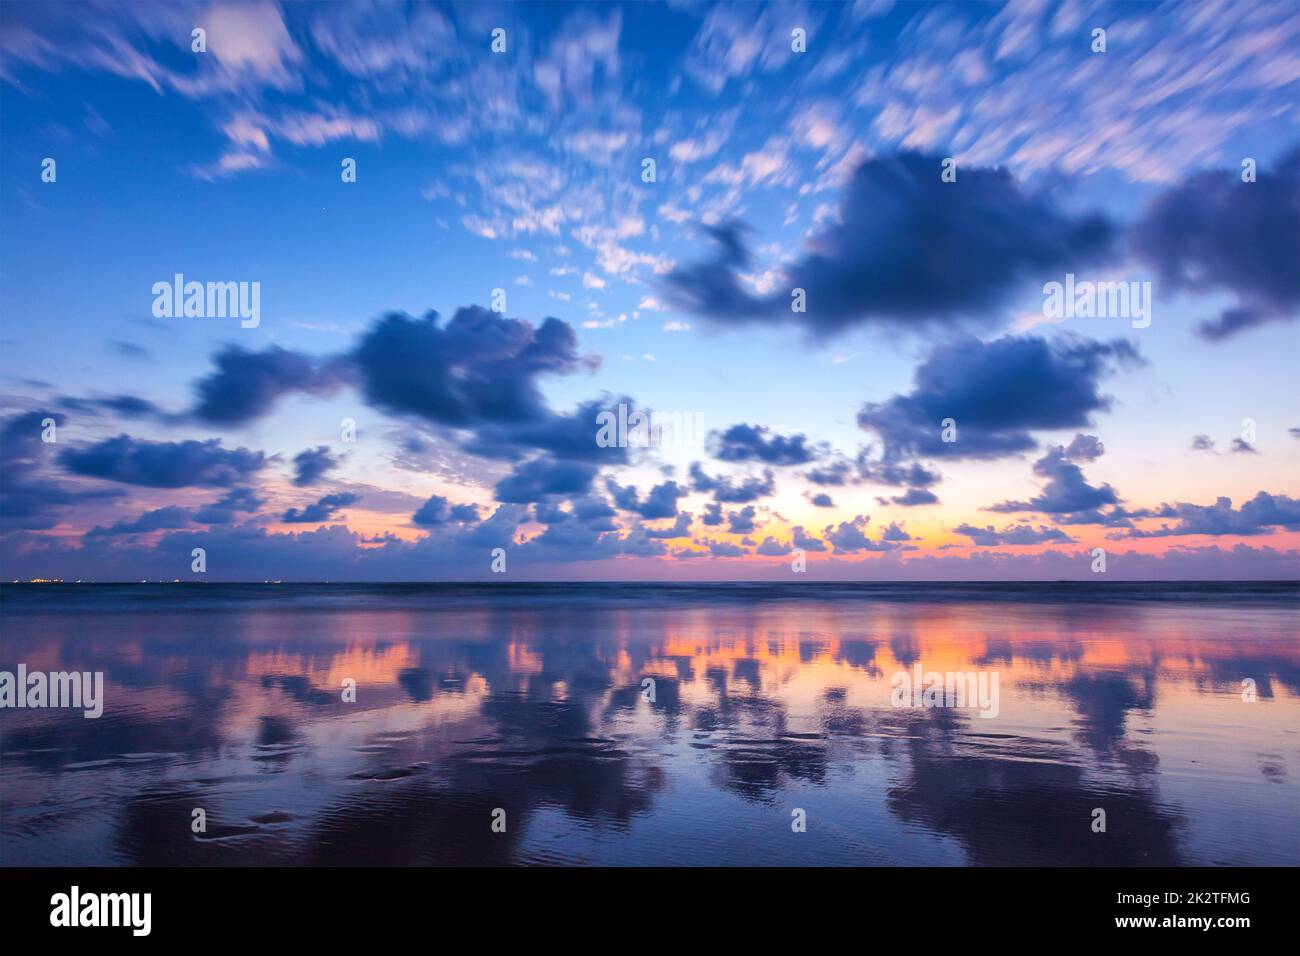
<point x="820" y="239"/>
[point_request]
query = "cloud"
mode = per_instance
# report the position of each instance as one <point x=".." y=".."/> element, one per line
<point x="1214" y="232"/>
<point x="164" y="464"/>
<point x="1067" y="490"/>
<point x="542" y="477"/>
<point x="1012" y="535"/>
<point x="565" y="435"/>
<point x="311" y="464"/>
<point x="127" y="406"/>
<point x="249" y="46"/>
<point x="158" y="519"/>
<point x="759" y="443"/>
<point x="29" y="499"/>
<point x="905" y="249"/>
<point x="997" y="393"/>
<point x="851" y="536"/>
<point x="480" y="368"/>
<point x="742" y="521"/>
<point x="247" y="385"/>
<point x="735" y="42"/>
<point x="227" y="509"/>
<point x="802" y="539"/>
<point x="660" y="502"/>
<point x="680" y="528"/>
<point x="1260" y="515"/>
<point x="729" y="492"/>
<point x="438" y="511"/>
<point x="322" y="510"/>
<point x="912" y="498"/>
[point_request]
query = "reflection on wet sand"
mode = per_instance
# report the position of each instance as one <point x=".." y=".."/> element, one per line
<point x="541" y="710"/>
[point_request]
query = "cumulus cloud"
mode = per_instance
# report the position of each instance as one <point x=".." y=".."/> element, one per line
<point x="164" y="464"/>
<point x="1214" y="232"/>
<point x="246" y="385"/>
<point x="158" y="519"/>
<point x="438" y="511"/>
<point x="311" y="464"/>
<point x="480" y="367"/>
<point x="322" y="510"/>
<point x="851" y="536"/>
<point x="1012" y="535"/>
<point x="905" y="249"/>
<point x="29" y="500"/>
<point x="227" y="509"/>
<point x="912" y="498"/>
<point x="1260" y="515"/>
<point x="997" y="393"/>
<point x="542" y="477"/>
<point x="1067" y="490"/>
<point x="659" y="502"/>
<point x="759" y="443"/>
<point x="726" y="490"/>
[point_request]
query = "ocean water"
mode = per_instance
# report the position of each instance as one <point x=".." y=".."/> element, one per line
<point x="1172" y="708"/>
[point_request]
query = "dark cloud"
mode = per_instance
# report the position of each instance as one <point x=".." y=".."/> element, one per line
<point x="822" y="500"/>
<point x="1084" y="448"/>
<point x="834" y="473"/>
<point x="1243" y="447"/>
<point x="802" y="539"/>
<point x="851" y="536"/>
<point x="661" y="502"/>
<point x="572" y="436"/>
<point x="158" y="519"/>
<point x="729" y="492"/>
<point x="1214" y="233"/>
<point x="438" y="511"/>
<point x="906" y="248"/>
<point x="997" y="393"/>
<point x="893" y="473"/>
<point x="712" y="514"/>
<point x="322" y="510"/>
<point x="536" y="479"/>
<point x="164" y="464"/>
<point x="758" y="443"/>
<point x="1067" y="490"/>
<point x="894" y="533"/>
<point x="680" y="528"/>
<point x="246" y="385"/>
<point x="1260" y="515"/>
<point x="912" y="498"/>
<point x="128" y="406"/>
<point x="480" y="368"/>
<point x="742" y="521"/>
<point x="1012" y="535"/>
<point x="311" y="465"/>
<point x="1202" y="443"/>
<point x="723" y="549"/>
<point x="772" y="547"/>
<point x="29" y="500"/>
<point x="226" y="510"/>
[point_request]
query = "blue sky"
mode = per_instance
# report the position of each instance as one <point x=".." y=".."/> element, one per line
<point x="522" y="171"/>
